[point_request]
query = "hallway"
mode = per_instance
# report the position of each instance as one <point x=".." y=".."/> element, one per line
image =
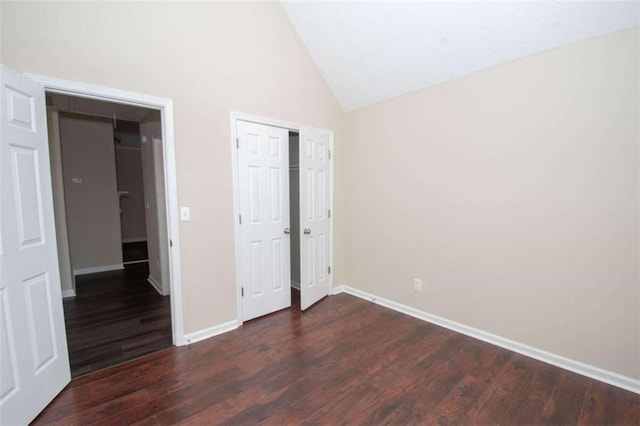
<point x="116" y="316"/>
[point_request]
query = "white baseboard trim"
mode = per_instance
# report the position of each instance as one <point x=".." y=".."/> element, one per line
<point x="133" y="262"/>
<point x="133" y="240"/>
<point x="338" y="289"/>
<point x="197" y="336"/>
<point x="68" y="293"/>
<point x="97" y="269"/>
<point x="295" y="285"/>
<point x="609" y="377"/>
<point x="155" y="284"/>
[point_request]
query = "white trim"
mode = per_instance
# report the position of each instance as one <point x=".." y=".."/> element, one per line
<point x="100" y="93"/>
<point x="133" y="262"/>
<point x="155" y="285"/>
<point x="68" y="293"/>
<point x="165" y="106"/>
<point x="197" y="336"/>
<point x="331" y="209"/>
<point x="609" y="377"/>
<point x="96" y="269"/>
<point x="295" y="284"/>
<point x="234" y="117"/>
<point x="133" y="240"/>
<point x="337" y="289"/>
<point x="235" y="178"/>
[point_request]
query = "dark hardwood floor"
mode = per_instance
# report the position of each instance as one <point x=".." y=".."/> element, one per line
<point x="116" y="316"/>
<point x="344" y="361"/>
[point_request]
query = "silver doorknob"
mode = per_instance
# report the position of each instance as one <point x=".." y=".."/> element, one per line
<point x="307" y="231"/>
<point x="287" y="231"/>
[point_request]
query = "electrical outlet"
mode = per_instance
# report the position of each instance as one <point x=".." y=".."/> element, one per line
<point x="417" y="284"/>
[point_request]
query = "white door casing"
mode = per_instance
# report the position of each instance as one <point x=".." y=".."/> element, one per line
<point x="263" y="176"/>
<point x="155" y="204"/>
<point x="171" y="216"/>
<point x="315" y="239"/>
<point x="33" y="350"/>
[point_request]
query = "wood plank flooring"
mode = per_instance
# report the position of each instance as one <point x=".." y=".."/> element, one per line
<point x="344" y="361"/>
<point x="116" y="316"/>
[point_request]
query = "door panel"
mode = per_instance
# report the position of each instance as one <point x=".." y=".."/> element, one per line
<point x="265" y="259"/>
<point x="40" y="320"/>
<point x="9" y="377"/>
<point x="314" y="216"/>
<point x="34" y="362"/>
<point x="26" y="190"/>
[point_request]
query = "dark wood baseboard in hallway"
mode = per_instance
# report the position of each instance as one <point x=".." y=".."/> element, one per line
<point x="116" y="316"/>
<point x="344" y="361"/>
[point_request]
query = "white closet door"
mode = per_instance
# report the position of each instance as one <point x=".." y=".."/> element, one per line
<point x="263" y="170"/>
<point x="314" y="216"/>
<point x="33" y="346"/>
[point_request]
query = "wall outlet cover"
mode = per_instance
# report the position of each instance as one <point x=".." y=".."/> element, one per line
<point x="417" y="284"/>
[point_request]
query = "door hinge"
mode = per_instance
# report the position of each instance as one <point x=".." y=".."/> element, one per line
<point x="240" y="219"/>
<point x="329" y="269"/>
<point x="329" y="154"/>
<point x="329" y="213"/>
<point x="242" y="291"/>
<point x="170" y="243"/>
<point x="238" y="143"/>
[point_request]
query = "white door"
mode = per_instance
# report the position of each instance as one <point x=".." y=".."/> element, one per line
<point x="265" y="258"/>
<point x="33" y="347"/>
<point x="315" y="270"/>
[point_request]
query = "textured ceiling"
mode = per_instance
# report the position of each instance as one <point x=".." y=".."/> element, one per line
<point x="372" y="51"/>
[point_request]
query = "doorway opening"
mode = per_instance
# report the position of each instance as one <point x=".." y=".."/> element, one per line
<point x="110" y="212"/>
<point x="283" y="187"/>
<point x="294" y="214"/>
<point x="37" y="363"/>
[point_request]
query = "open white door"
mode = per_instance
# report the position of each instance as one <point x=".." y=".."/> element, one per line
<point x="33" y="346"/>
<point x="314" y="216"/>
<point x="265" y="248"/>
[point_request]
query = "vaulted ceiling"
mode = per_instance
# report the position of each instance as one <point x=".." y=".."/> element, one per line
<point x="372" y="51"/>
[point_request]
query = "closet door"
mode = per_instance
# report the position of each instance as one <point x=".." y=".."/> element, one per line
<point x="314" y="217"/>
<point x="265" y="258"/>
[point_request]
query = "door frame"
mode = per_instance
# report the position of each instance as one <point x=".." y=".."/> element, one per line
<point x="165" y="106"/>
<point x="239" y="116"/>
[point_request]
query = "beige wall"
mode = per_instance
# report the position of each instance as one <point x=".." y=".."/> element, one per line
<point x="129" y="174"/>
<point x="93" y="213"/>
<point x="513" y="193"/>
<point x="210" y="58"/>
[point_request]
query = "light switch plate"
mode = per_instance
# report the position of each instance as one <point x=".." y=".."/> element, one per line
<point x="185" y="214"/>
